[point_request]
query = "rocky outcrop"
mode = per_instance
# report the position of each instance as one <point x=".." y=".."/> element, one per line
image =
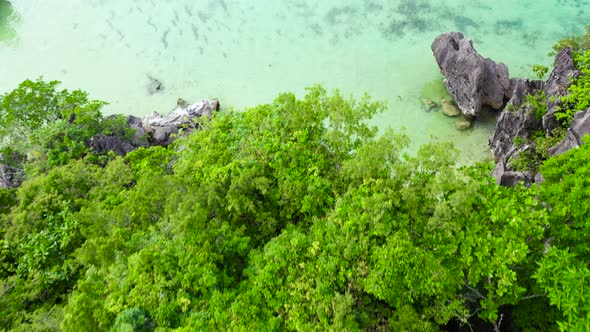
<point x="162" y="129"/>
<point x="505" y="177"/>
<point x="9" y="177"/>
<point x="580" y="127"/>
<point x="10" y="174"/>
<point x="101" y="143"/>
<point x="557" y="85"/>
<point x="518" y="121"/>
<point x="155" y="129"/>
<point x="472" y="80"/>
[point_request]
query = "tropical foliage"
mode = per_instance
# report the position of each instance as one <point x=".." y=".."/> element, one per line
<point x="293" y="215"/>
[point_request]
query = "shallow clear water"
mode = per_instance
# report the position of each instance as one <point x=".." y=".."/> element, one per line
<point x="245" y="52"/>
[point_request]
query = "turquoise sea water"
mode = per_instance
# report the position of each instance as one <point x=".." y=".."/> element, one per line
<point x="245" y="52"/>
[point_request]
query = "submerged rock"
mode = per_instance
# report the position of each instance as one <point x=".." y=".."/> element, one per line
<point x="429" y="104"/>
<point x="449" y="108"/>
<point x="432" y="92"/>
<point x="463" y="124"/>
<point x="472" y="80"/>
<point x="154" y="85"/>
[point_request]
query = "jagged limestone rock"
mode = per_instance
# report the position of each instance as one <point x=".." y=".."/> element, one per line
<point x="580" y="127"/>
<point x="472" y="80"/>
<point x="161" y="128"/>
<point x="557" y="85"/>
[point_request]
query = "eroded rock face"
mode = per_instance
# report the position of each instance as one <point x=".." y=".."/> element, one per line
<point x="8" y="177"/>
<point x="472" y="80"/>
<point x="580" y="127"/>
<point x="155" y="129"/>
<point x="475" y="81"/>
<point x="161" y="129"/>
<point x="508" y="178"/>
<point x="557" y="85"/>
<point x="101" y="143"/>
<point x="517" y="120"/>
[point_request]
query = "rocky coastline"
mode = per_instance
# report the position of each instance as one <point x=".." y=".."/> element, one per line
<point x="474" y="82"/>
<point x="156" y="129"/>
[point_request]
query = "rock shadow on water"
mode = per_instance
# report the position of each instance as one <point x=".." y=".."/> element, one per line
<point x="464" y="23"/>
<point x="344" y="18"/>
<point x="503" y="27"/>
<point x="409" y="17"/>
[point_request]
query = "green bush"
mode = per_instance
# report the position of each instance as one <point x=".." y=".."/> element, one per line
<point x="132" y="320"/>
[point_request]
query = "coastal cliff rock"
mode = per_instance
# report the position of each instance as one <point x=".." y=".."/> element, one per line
<point x="472" y="80"/>
<point x="518" y="121"/>
<point x="103" y="143"/>
<point x="9" y="178"/>
<point x="557" y="85"/>
<point x="155" y="129"/>
<point x="161" y="129"/>
<point x="579" y="128"/>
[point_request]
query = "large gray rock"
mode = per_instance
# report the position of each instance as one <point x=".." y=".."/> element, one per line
<point x="162" y="128"/>
<point x="140" y="138"/>
<point x="119" y="144"/>
<point x="472" y="80"/>
<point x="9" y="178"/>
<point x="511" y="178"/>
<point x="10" y="175"/>
<point x="504" y="173"/>
<point x="102" y="143"/>
<point x="557" y="85"/>
<point x="517" y="120"/>
<point x="154" y="129"/>
<point x="580" y="127"/>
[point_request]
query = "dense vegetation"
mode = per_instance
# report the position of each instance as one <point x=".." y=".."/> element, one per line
<point x="293" y="215"/>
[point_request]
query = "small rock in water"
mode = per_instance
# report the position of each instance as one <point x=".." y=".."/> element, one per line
<point x="154" y="86"/>
<point x="182" y="103"/>
<point x="463" y="124"/>
<point x="429" y="104"/>
<point x="449" y="108"/>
